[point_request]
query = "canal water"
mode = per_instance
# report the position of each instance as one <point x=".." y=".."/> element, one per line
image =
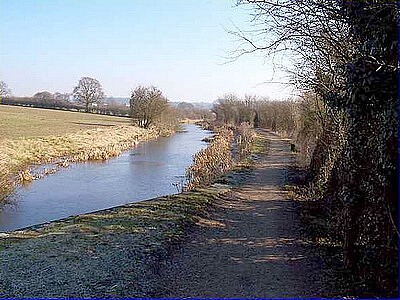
<point x="148" y="170"/>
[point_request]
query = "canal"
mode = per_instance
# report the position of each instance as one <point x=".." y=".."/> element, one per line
<point x="150" y="169"/>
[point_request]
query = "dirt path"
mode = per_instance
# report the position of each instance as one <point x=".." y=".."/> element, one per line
<point x="251" y="245"/>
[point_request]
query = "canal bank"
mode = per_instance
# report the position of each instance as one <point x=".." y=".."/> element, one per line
<point x="148" y="170"/>
<point x="21" y="158"/>
<point x="111" y="253"/>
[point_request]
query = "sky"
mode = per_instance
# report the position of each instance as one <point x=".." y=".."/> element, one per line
<point x="181" y="47"/>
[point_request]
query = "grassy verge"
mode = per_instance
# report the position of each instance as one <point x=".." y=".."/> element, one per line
<point x="38" y="136"/>
<point x="132" y="239"/>
<point x="165" y="216"/>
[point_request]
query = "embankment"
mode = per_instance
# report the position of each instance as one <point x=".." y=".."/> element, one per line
<point x="19" y="157"/>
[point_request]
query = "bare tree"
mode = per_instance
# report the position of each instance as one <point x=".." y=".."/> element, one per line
<point x="313" y="36"/>
<point x="88" y="92"/>
<point x="147" y="105"/>
<point x="4" y="91"/>
<point x="61" y="97"/>
<point x="233" y="110"/>
<point x="225" y="108"/>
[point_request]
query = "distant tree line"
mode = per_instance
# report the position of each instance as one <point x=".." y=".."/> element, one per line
<point x="257" y="112"/>
<point x="147" y="105"/>
<point x="87" y="96"/>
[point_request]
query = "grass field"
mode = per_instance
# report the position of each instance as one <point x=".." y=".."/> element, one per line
<point x="25" y="122"/>
<point x="31" y="136"/>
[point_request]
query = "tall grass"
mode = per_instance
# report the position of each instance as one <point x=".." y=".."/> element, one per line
<point x="212" y="162"/>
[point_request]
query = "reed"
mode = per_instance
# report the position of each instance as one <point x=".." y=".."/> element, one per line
<point x="230" y="146"/>
<point x="212" y="162"/>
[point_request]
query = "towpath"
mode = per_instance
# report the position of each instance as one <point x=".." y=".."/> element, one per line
<point x="251" y="244"/>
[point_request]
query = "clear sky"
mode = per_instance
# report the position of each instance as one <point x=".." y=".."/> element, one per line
<point x="178" y="46"/>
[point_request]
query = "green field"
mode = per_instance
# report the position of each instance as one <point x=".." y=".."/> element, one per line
<point x="23" y="122"/>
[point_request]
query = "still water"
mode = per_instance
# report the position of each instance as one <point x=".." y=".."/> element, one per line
<point x="146" y="171"/>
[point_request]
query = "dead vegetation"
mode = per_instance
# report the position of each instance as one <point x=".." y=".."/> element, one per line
<point x="230" y="145"/>
<point x="212" y="162"/>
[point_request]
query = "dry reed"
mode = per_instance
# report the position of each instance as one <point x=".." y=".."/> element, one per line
<point x="230" y="146"/>
<point x="212" y="162"/>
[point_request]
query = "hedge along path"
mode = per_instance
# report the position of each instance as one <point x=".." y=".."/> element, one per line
<point x="250" y="245"/>
<point x="18" y="156"/>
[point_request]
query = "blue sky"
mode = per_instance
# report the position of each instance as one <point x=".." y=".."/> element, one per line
<point x="178" y="46"/>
